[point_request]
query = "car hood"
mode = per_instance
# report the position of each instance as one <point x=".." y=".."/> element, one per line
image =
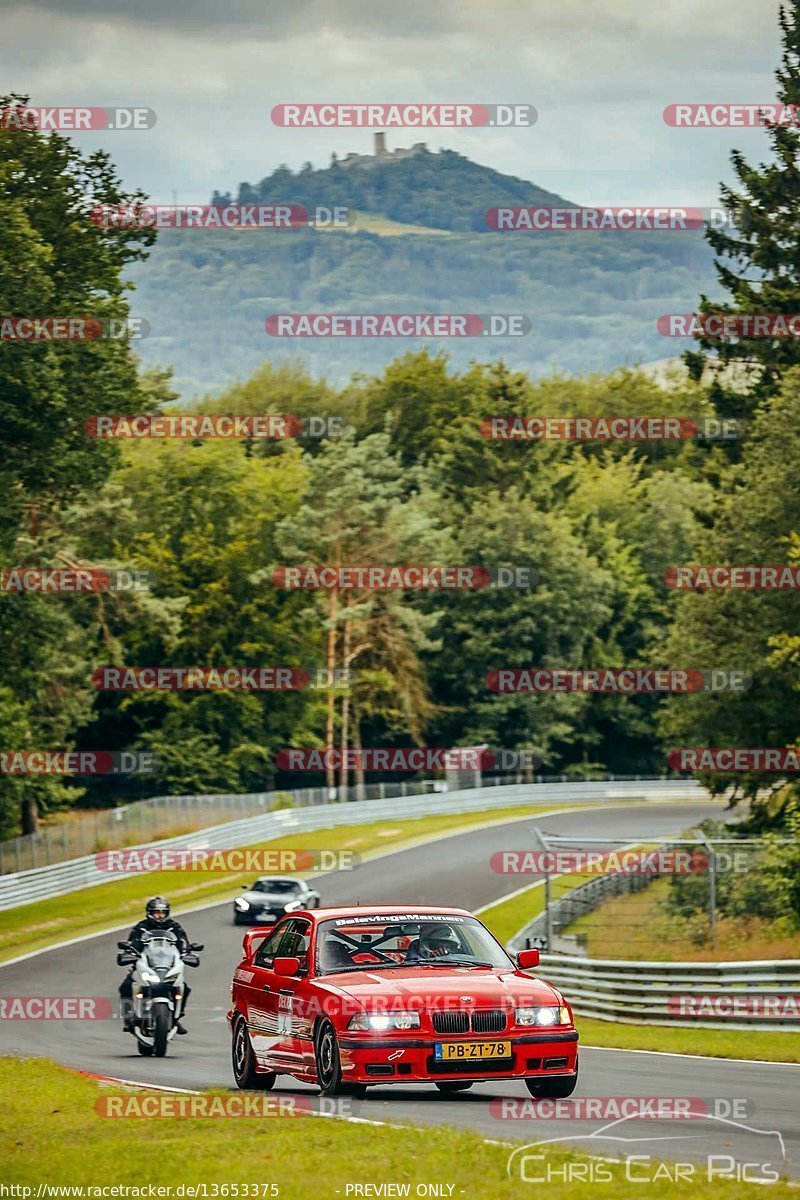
<point x="439" y="987"/>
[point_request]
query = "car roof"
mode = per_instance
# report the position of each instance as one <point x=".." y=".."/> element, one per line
<point x="388" y="910"/>
<point x="283" y="878"/>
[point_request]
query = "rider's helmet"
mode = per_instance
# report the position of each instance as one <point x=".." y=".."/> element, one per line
<point x="158" y="910"/>
<point x="438" y="939"/>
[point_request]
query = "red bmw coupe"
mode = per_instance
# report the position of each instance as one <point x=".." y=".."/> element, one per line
<point x="347" y="997"/>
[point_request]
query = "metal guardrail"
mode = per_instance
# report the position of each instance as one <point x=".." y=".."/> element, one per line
<point x="640" y="992"/>
<point x="26" y="887"/>
<point x="649" y="993"/>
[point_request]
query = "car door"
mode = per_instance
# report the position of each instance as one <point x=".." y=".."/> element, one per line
<point x="289" y="997"/>
<point x="257" y="982"/>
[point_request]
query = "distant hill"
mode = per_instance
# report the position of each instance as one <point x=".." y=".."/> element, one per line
<point x="444" y="190"/>
<point x="593" y="298"/>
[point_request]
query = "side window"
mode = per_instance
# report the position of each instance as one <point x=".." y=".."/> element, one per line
<point x="295" y="941"/>
<point x="269" y="947"/>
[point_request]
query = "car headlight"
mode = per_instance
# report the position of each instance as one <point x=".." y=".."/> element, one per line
<point x="241" y="904"/>
<point x="379" y="1022"/>
<point x="543" y="1015"/>
<point x="150" y="977"/>
<point x="293" y="906"/>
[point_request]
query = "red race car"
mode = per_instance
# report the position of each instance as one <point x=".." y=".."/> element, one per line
<point x="347" y="997"/>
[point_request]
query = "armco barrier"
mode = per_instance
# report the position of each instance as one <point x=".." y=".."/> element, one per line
<point x="26" y="887"/>
<point x="639" y="992"/>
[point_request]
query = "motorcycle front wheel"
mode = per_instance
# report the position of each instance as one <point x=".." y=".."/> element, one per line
<point x="161" y="1027"/>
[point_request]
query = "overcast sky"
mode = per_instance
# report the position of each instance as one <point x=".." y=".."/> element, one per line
<point x="599" y="72"/>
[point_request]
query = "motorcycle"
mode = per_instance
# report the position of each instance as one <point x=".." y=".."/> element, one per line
<point x="158" y="987"/>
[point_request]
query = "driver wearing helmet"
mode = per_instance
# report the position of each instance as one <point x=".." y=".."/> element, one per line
<point x="435" y="941"/>
<point x="157" y="919"/>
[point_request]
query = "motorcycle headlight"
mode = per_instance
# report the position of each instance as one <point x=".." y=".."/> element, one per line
<point x="241" y="904"/>
<point x="174" y="973"/>
<point x="150" y="977"/>
<point x="380" y="1022"/>
<point x="543" y="1015"/>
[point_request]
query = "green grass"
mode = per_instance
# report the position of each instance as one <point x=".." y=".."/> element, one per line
<point x="36" y="926"/>
<point x="777" y="1046"/>
<point x="51" y="1134"/>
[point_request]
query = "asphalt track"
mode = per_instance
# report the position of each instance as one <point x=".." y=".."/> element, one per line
<point x="453" y="870"/>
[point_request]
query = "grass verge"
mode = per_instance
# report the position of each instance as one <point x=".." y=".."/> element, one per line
<point x="779" y="1046"/>
<point x="50" y="1134"/>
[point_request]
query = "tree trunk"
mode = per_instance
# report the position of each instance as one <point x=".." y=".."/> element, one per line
<point x="345" y="730"/>
<point x="330" y="663"/>
<point x="30" y="815"/>
<point x="361" y="789"/>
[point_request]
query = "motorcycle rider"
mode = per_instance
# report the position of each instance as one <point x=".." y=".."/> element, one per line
<point x="156" y="920"/>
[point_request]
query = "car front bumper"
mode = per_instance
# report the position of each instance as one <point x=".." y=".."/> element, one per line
<point x="370" y="1059"/>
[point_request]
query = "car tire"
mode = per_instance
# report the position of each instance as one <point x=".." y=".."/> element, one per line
<point x="329" y="1065"/>
<point x="237" y="920"/>
<point x="446" y="1086"/>
<point x="556" y="1088"/>
<point x="243" y="1061"/>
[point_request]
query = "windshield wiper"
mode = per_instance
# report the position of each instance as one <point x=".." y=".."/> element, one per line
<point x="458" y="962"/>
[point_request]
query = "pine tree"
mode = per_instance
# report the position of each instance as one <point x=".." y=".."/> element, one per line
<point x="758" y="262"/>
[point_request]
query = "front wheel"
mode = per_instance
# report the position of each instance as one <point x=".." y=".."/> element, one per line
<point x="557" y="1088"/>
<point x="452" y="1085"/>
<point x="161" y="1027"/>
<point x="244" y="1062"/>
<point x="329" y="1065"/>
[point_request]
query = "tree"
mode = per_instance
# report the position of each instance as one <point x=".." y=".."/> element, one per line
<point x="54" y="262"/>
<point x="758" y="262"/>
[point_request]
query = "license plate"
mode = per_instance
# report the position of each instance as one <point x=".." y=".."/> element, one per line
<point x="461" y="1051"/>
<point x="266" y="916"/>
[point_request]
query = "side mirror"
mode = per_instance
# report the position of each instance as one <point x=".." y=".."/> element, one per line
<point x="197" y="946"/>
<point x="191" y="960"/>
<point x="526" y="959"/>
<point x="286" y="966"/>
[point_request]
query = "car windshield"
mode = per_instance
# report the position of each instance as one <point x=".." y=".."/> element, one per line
<point x="278" y="886"/>
<point x="374" y="941"/>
